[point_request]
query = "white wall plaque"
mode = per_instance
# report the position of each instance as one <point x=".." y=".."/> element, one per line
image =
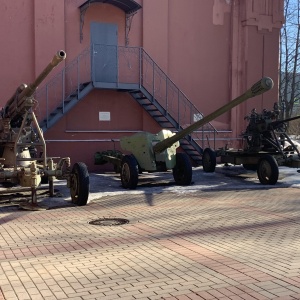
<point x="104" y="116"/>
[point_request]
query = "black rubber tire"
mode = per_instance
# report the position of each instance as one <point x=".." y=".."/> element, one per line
<point x="250" y="167"/>
<point x="209" y="160"/>
<point x="267" y="170"/>
<point x="182" y="172"/>
<point x="80" y="184"/>
<point x="129" y="172"/>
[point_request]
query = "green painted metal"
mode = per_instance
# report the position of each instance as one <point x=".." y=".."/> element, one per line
<point x="141" y="146"/>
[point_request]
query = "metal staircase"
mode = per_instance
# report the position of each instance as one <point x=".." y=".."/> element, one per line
<point x="166" y="121"/>
<point x="138" y="75"/>
<point x="66" y="105"/>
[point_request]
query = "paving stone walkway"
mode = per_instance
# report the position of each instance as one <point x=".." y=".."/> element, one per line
<point x="214" y="244"/>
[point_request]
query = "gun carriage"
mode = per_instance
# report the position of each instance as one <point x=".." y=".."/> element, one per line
<point x="158" y="152"/>
<point x="21" y="139"/>
<point x="266" y="146"/>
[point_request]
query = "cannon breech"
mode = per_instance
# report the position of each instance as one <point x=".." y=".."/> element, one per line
<point x="265" y="84"/>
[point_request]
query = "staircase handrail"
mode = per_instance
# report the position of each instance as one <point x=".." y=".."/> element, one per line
<point x="191" y="106"/>
<point x="62" y="84"/>
<point x="70" y="78"/>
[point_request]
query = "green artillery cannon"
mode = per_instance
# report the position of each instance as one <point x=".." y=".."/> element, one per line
<point x="157" y="152"/>
<point x="21" y="136"/>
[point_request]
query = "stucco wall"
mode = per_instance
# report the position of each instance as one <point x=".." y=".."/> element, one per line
<point x="17" y="40"/>
<point x="212" y="49"/>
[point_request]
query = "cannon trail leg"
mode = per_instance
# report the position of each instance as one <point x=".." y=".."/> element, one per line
<point x="51" y="187"/>
<point x="33" y="180"/>
<point x="33" y="197"/>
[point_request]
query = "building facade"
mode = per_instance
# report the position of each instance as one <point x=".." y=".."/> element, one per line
<point x="190" y="57"/>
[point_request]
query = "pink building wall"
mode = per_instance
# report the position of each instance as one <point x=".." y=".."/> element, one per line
<point x="212" y="49"/>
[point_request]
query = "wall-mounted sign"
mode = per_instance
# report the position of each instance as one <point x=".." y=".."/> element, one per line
<point x="104" y="116"/>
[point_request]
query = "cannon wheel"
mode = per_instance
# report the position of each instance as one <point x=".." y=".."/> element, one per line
<point x="182" y="172"/>
<point x="267" y="170"/>
<point x="209" y="160"/>
<point x="80" y="184"/>
<point x="129" y="172"/>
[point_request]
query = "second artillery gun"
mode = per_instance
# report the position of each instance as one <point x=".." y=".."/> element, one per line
<point x="23" y="153"/>
<point x="266" y="146"/>
<point x="158" y="152"/>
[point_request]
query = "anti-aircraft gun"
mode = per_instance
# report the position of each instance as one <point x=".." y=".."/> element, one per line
<point x="21" y="136"/>
<point x="266" y="132"/>
<point x="157" y="152"/>
<point x="266" y="145"/>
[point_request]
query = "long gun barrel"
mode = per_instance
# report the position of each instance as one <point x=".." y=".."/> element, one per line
<point x="15" y="104"/>
<point x="274" y="124"/>
<point x="265" y="84"/>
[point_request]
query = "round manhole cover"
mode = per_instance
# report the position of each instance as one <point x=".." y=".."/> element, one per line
<point x="109" y="222"/>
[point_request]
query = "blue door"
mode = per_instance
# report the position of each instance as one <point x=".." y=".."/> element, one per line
<point x="104" y="38"/>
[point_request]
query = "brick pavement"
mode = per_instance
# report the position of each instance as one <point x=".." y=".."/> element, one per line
<point x="207" y="245"/>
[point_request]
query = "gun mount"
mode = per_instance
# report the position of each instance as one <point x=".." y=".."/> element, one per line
<point x="266" y="145"/>
<point x="157" y="152"/>
<point x="20" y="139"/>
<point x="265" y="131"/>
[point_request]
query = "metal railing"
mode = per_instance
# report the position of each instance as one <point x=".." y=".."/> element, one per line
<point x="125" y="66"/>
<point x="62" y="86"/>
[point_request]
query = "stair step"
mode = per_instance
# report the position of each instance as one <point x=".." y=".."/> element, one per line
<point x="140" y="98"/>
<point x="152" y="109"/>
<point x="189" y="147"/>
<point x="166" y="126"/>
<point x="147" y="104"/>
<point x="85" y="84"/>
<point x="73" y="95"/>
<point x="142" y="102"/>
<point x="192" y="153"/>
<point x="65" y="103"/>
<point x="152" y="113"/>
<point x="186" y="144"/>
